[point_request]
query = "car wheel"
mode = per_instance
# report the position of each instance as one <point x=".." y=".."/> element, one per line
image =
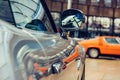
<point x="93" y="53"/>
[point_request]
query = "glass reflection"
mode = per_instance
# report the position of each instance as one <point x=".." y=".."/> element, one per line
<point x="30" y="15"/>
<point x="108" y="3"/>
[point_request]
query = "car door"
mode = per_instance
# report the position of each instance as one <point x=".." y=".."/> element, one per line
<point x="112" y="46"/>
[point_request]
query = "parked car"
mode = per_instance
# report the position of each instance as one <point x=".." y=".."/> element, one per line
<point x="102" y="45"/>
<point x="32" y="49"/>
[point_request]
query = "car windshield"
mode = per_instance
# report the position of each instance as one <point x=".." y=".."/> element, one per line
<point x="5" y="12"/>
<point x="118" y="39"/>
<point x="25" y="14"/>
<point x="113" y="40"/>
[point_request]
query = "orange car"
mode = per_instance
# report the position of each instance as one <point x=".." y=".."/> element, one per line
<point x="107" y="45"/>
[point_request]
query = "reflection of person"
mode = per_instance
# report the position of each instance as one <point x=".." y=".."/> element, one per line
<point x="36" y="25"/>
<point x="100" y="27"/>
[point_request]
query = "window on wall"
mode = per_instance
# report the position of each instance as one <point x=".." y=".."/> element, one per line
<point x="95" y="2"/>
<point x="117" y="25"/>
<point x="56" y="0"/>
<point x="106" y="22"/>
<point x="65" y="0"/>
<point x="56" y="17"/>
<point x="118" y="3"/>
<point x="98" y="23"/>
<point x="108" y="3"/>
<point x="82" y="1"/>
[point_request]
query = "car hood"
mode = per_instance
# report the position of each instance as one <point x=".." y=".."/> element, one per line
<point x="22" y="45"/>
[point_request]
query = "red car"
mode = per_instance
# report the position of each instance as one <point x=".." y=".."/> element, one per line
<point x="102" y="45"/>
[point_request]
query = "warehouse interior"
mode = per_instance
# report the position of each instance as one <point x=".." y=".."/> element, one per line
<point x="103" y="16"/>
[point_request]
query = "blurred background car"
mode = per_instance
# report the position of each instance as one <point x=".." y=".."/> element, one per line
<point x="102" y="45"/>
<point x="32" y="48"/>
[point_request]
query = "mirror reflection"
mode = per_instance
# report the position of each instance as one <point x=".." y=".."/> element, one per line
<point x="30" y="14"/>
<point x="72" y="19"/>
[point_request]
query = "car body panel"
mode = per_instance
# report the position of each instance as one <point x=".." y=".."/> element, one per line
<point x="20" y="47"/>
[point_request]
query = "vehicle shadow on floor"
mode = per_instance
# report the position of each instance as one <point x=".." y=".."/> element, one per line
<point x="107" y="57"/>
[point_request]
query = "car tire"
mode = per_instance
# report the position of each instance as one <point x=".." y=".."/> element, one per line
<point x="93" y="53"/>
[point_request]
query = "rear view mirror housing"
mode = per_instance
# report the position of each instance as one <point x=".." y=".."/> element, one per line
<point x="72" y="20"/>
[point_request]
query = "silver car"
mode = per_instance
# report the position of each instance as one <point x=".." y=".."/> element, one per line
<point x="31" y="48"/>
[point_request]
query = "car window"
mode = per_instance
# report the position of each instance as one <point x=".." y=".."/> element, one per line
<point x="36" y="24"/>
<point x="5" y="12"/>
<point x="112" y="40"/>
<point x="118" y="39"/>
<point x="30" y="14"/>
<point x="25" y="14"/>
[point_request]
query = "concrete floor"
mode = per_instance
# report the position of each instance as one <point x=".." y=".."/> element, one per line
<point x="102" y="69"/>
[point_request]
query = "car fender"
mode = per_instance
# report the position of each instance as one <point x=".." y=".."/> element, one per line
<point x="91" y="47"/>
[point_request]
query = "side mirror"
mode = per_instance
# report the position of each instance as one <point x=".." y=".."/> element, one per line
<point x="72" y="19"/>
